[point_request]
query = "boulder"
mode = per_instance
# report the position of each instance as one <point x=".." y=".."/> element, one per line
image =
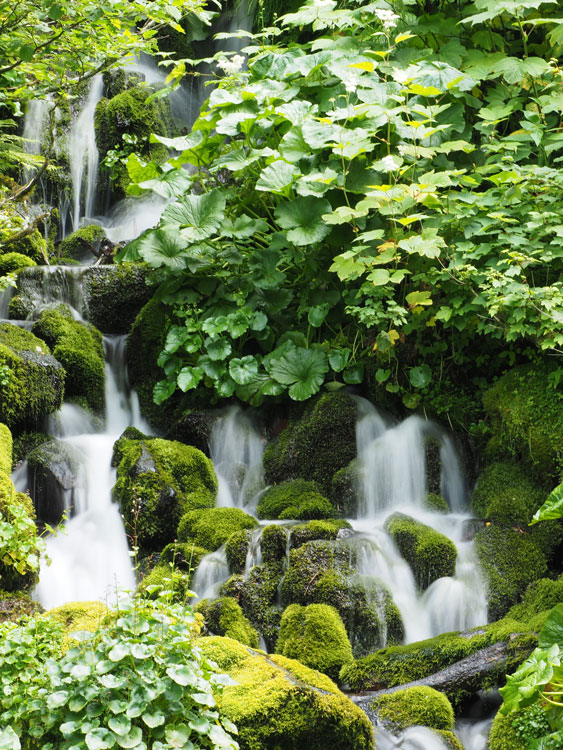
<point x="224" y="617"/>
<point x="53" y="471"/>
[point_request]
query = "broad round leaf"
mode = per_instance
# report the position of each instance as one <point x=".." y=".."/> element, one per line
<point x="217" y="349"/>
<point x="189" y="377"/>
<point x="163" y="247"/>
<point x="303" y="369"/>
<point x="244" y="369"/>
<point x="199" y="216"/>
<point x="338" y="359"/>
<point x="276" y="177"/>
<point x="100" y="739"/>
<point x="420" y="376"/>
<point x="303" y="218"/>
<point x="316" y="315"/>
<point x="552" y="508"/>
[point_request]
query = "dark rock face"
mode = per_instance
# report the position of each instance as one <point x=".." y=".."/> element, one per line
<point x="53" y="477"/>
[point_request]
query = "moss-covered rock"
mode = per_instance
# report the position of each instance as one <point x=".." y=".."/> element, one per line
<point x="17" y="604"/>
<point x="430" y="554"/>
<point x="32" y="381"/>
<point x="506" y="494"/>
<point x="5" y="449"/>
<point x="115" y="295"/>
<point x="77" y="616"/>
<point x="526" y="414"/>
<point x="307" y="532"/>
<point x="317" y="445"/>
<point x="416" y="706"/>
<point x="183" y="556"/>
<point x="538" y="598"/>
<point x="315" y="636"/>
<point x="27" y="442"/>
<point x="510" y="561"/>
<point x="78" y="347"/>
<point x="274" y="544"/>
<point x="83" y="244"/>
<point x="345" y="489"/>
<point x="224" y="616"/>
<point x="11" y="262"/>
<point x="158" y="481"/>
<point x="436" y="503"/>
<point x="165" y="577"/>
<point x="397" y="665"/>
<point x="54" y="468"/>
<point x="279" y="703"/>
<point x="504" y="734"/>
<point x="212" y="527"/>
<point x="295" y="499"/>
<point x="323" y="572"/>
<point x="32" y="245"/>
<point x="236" y="550"/>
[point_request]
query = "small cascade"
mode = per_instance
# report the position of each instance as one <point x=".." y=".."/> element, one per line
<point x="236" y="451"/>
<point x="254" y="552"/>
<point x="83" y="155"/>
<point x="35" y="121"/>
<point x="131" y="217"/>
<point x="19" y="477"/>
<point x="413" y="738"/>
<point x="211" y="574"/>
<point x="473" y="735"/>
<point x="49" y="286"/>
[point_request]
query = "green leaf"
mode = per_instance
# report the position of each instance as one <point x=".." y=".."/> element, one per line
<point x="57" y="699"/>
<point x="163" y="390"/>
<point x="303" y="218"/>
<point x="119" y="724"/>
<point x="552" y="508"/>
<point x="200" y="724"/>
<point x="259" y="321"/>
<point x="316" y="315"/>
<point x="244" y="369"/>
<point x="552" y="630"/>
<point x="26" y="52"/>
<point x="197" y="216"/>
<point x="119" y="652"/>
<point x="276" y="177"/>
<point x="100" y="739"/>
<point x="218" y="349"/>
<point x="9" y="739"/>
<point x="189" y="378"/>
<point x="354" y="375"/>
<point x="153" y="720"/>
<point x="265" y="274"/>
<point x="302" y="369"/>
<point x="419" y="298"/>
<point x="420" y="376"/>
<point x="182" y="674"/>
<point x="132" y="739"/>
<point x="338" y="359"/>
<point x="163" y="247"/>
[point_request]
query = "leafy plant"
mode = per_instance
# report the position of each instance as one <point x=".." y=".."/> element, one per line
<point x="552" y="508"/>
<point x="20" y="546"/>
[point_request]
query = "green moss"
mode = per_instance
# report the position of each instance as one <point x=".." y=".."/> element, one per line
<point x="506" y="494"/>
<point x="436" y="502"/>
<point x="78" y="616"/>
<point x="397" y="665"/>
<point x="212" y="527"/>
<point x="25" y="443"/>
<point x="77" y="245"/>
<point x="510" y="561"/>
<point x="32" y="385"/>
<point x="503" y="735"/>
<point x="11" y="262"/>
<point x="78" y="347"/>
<point x="430" y="554"/>
<point x="307" y="532"/>
<point x="274" y="544"/>
<point x="344" y="490"/>
<point x="32" y="245"/>
<point x="157" y="482"/>
<point x="184" y="557"/>
<point x="122" y="444"/>
<point x="450" y="739"/>
<point x="17" y="604"/>
<point x="5" y="449"/>
<point x="315" y="636"/>
<point x="317" y="445"/>
<point x="224" y="616"/>
<point x="294" y="499"/>
<point x="279" y="703"/>
<point x="422" y="706"/>
<point x="115" y="296"/>
<point x="163" y="577"/>
<point x="526" y="414"/>
<point x="19" y="308"/>
<point x="236" y="550"/>
<point x="540" y="596"/>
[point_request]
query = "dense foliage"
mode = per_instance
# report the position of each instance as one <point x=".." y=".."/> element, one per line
<point x="380" y="193"/>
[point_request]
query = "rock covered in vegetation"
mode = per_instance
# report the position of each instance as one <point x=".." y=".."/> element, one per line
<point x="315" y="635"/>
<point x="17" y="604"/>
<point x="325" y="529"/>
<point x="506" y="731"/>
<point x="540" y="596"/>
<point x="416" y="706"/>
<point x="32" y="381"/>
<point x="224" y="617"/>
<point x="506" y="494"/>
<point x="79" y="349"/>
<point x="317" y="445"/>
<point x="157" y="482"/>
<point x="430" y="554"/>
<point x="279" y="703"/>
<point x="345" y="489"/>
<point x="212" y="527"/>
<point x="297" y="499"/>
<point x="236" y="550"/>
<point x="510" y="561"/>
<point x="115" y="295"/>
<point x="53" y="469"/>
<point x="82" y="244"/>
<point x="10" y="262"/>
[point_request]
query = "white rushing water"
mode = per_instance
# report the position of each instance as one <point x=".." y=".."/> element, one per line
<point x="474" y="735"/>
<point x="90" y="559"/>
<point x="413" y="738"/>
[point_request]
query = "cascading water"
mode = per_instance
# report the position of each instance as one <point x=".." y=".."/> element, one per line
<point x="413" y="738"/>
<point x="90" y="560"/>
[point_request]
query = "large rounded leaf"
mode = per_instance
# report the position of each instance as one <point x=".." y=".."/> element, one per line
<point x="198" y="216"/>
<point x="552" y="508"/>
<point x="163" y="247"/>
<point x="302" y="369"/>
<point x="303" y="218"/>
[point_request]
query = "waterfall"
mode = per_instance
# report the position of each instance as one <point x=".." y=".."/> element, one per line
<point x="90" y="559"/>
<point x="36" y="118"/>
<point x="474" y="735"/>
<point x="211" y="574"/>
<point x="413" y="738"/>
<point x="83" y="155"/>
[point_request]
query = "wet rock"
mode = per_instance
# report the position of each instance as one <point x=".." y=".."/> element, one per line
<point x="53" y="476"/>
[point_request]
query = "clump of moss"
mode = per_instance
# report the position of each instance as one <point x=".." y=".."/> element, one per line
<point x="31" y="245"/>
<point x="526" y="414"/>
<point x="416" y="706"/>
<point x="157" y="482"/>
<point x="315" y="635"/>
<point x="429" y="553"/>
<point x="212" y="527"/>
<point x="25" y="443"/>
<point x="517" y="730"/>
<point x="33" y="381"/>
<point x="506" y="495"/>
<point x="236" y="550"/>
<point x="397" y="665"/>
<point x="83" y="243"/>
<point x="164" y="577"/>
<point x="115" y="295"/>
<point x="510" y="561"/>
<point x="224" y="616"/>
<point x="19" y="308"/>
<point x="317" y="445"/>
<point x="5" y="449"/>
<point x="274" y="544"/>
<point x="78" y="347"/>
<point x="11" y="262"/>
<point x="183" y="556"/>
<point x="436" y="503"/>
<point x="307" y="532"/>
<point x="294" y="499"/>
<point x="17" y="604"/>
<point x="539" y="597"/>
<point x="279" y="703"/>
<point x="345" y="489"/>
<point x="77" y="616"/>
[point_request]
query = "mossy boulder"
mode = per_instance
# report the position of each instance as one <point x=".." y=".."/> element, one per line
<point x="224" y="616"/>
<point x="274" y="544"/>
<point x="164" y="577"/>
<point x="526" y="415"/>
<point x="5" y="449"/>
<point x="236" y="550"/>
<point x="315" y="446"/>
<point x="345" y="489"/>
<point x="416" y="706"/>
<point x="212" y="527"/>
<point x="307" y="532"/>
<point x="32" y="245"/>
<point x="79" y="349"/>
<point x="295" y="499"/>
<point x="436" y="503"/>
<point x="78" y="616"/>
<point x="430" y="554"/>
<point x="32" y="383"/>
<point x="83" y="244"/>
<point x="323" y="572"/>
<point x="518" y="730"/>
<point x="11" y="262"/>
<point x="27" y="442"/>
<point x="279" y="703"/>
<point x="115" y="295"/>
<point x="506" y="494"/>
<point x="510" y="561"/>
<point x="315" y="635"/>
<point x="398" y="665"/>
<point x="538" y="599"/>
<point x="158" y="481"/>
<point x="17" y="604"/>
<point x="53" y="469"/>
